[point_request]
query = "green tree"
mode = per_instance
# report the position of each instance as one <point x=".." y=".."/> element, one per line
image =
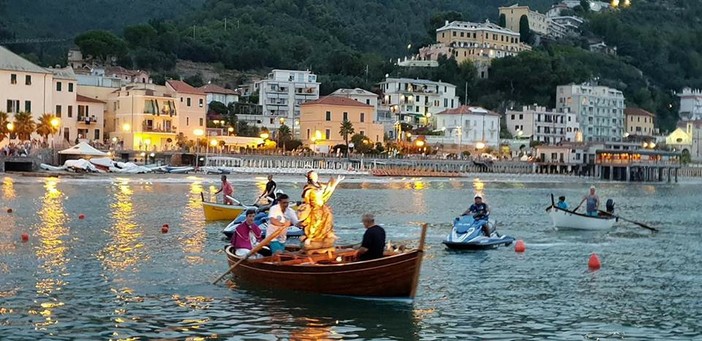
<point x="101" y="45"/>
<point x="46" y="126"/>
<point x="218" y="108"/>
<point x="524" y="30"/>
<point x="585" y="4"/>
<point x="503" y="20"/>
<point x="284" y="135"/>
<point x="24" y="125"/>
<point x="361" y="144"/>
<point x="143" y="35"/>
<point x="345" y="130"/>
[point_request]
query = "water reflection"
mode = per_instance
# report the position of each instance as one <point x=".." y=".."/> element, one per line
<point x="8" y="188"/>
<point x="123" y="251"/>
<point x="478" y="186"/>
<point x="52" y="252"/>
<point x="194" y="234"/>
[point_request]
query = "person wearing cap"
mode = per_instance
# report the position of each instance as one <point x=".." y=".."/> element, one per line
<point x="480" y="211"/>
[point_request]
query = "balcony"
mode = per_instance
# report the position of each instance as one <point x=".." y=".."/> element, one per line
<point x="166" y="130"/>
<point x="85" y="119"/>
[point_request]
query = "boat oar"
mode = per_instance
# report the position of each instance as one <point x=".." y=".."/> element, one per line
<point x="631" y="221"/>
<point x="258" y="247"/>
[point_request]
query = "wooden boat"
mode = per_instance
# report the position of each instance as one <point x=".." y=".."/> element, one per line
<point x="337" y="272"/>
<point x="565" y="219"/>
<point x="217" y="211"/>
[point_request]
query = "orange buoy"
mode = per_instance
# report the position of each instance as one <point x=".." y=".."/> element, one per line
<point x="81" y="216"/>
<point x="9" y="210"/>
<point x="25" y="237"/>
<point x="164" y="229"/>
<point x="594" y="262"/>
<point x="519" y="246"/>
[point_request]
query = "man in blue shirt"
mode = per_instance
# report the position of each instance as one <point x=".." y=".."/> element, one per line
<point x="562" y="204"/>
<point x="480" y="211"/>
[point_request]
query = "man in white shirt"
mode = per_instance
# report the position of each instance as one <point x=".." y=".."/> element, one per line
<point x="280" y="216"/>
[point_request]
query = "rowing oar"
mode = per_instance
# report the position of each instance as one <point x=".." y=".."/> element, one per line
<point x="253" y="252"/>
<point x="631" y="221"/>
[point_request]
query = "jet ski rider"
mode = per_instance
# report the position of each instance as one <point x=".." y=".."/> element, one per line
<point x="480" y="211"/>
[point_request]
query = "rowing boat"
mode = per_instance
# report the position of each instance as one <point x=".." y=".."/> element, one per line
<point x="337" y="272"/>
<point x="217" y="211"/>
<point x="565" y="219"/>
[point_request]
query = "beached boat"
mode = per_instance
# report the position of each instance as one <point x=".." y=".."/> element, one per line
<point x="565" y="219"/>
<point x="337" y="273"/>
<point x="217" y="211"/>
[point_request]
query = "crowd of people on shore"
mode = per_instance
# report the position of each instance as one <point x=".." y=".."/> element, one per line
<point x="20" y="149"/>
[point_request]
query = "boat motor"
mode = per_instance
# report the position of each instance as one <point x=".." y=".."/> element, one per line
<point x="610" y="206"/>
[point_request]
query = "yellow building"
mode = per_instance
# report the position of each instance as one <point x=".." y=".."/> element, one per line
<point x="477" y="42"/>
<point x="320" y="122"/>
<point x="192" y="108"/>
<point x="638" y="122"/>
<point x="143" y="116"/>
<point x="513" y="14"/>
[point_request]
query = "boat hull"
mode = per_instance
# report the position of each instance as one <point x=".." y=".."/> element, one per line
<point x="568" y="220"/>
<point x="392" y="276"/>
<point x="214" y="211"/>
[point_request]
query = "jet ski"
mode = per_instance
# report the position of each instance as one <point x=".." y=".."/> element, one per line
<point x="260" y="219"/>
<point x="467" y="234"/>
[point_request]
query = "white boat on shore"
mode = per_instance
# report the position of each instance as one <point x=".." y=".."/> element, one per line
<point x="564" y="219"/>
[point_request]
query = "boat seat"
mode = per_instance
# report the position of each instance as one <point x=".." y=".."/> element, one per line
<point x="329" y="251"/>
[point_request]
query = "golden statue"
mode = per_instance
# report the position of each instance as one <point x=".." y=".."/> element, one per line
<point x="315" y="216"/>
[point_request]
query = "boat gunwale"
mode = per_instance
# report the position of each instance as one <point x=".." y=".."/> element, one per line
<point x="580" y="214"/>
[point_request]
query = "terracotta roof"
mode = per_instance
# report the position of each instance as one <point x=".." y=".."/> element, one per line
<point x="81" y="98"/>
<point x="638" y="112"/>
<point x="216" y="89"/>
<point x="468" y="110"/>
<point x="183" y="87"/>
<point x="335" y="100"/>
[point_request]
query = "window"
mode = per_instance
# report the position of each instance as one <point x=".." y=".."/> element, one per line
<point x="201" y="102"/>
<point x="58" y="86"/>
<point x="28" y="80"/>
<point x="70" y="111"/>
<point x="521" y="116"/>
<point x="512" y="117"/>
<point x="368" y="101"/>
<point x="363" y="133"/>
<point x="70" y="88"/>
<point x="346" y="116"/>
<point x="13" y="79"/>
<point x="327" y="134"/>
<point x="181" y="100"/>
<point x="454" y="33"/>
<point x="445" y="102"/>
<point x="58" y="111"/>
<point x="416" y="109"/>
<point x="308" y="134"/>
<point x="187" y="121"/>
<point x="201" y="123"/>
<point x="328" y="116"/>
<point x="13" y="106"/>
<point x="27" y="106"/>
<point x="187" y="101"/>
<point x="462" y="34"/>
<point x="363" y="117"/>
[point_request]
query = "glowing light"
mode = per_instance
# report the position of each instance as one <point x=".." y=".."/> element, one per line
<point x="615" y="3"/>
<point x="479" y="146"/>
<point x="419" y="143"/>
<point x="198" y="132"/>
<point x="264" y="135"/>
<point x="55" y="122"/>
<point x="126" y="127"/>
<point x="10" y="126"/>
<point x="214" y="142"/>
<point x="317" y="135"/>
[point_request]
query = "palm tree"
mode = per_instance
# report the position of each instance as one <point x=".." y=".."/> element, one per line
<point x="345" y="131"/>
<point x="47" y="126"/>
<point x="4" y="131"/>
<point x="24" y="126"/>
<point x="284" y="135"/>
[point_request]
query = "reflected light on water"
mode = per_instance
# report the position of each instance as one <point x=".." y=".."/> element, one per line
<point x="478" y="187"/>
<point x="52" y="252"/>
<point x="8" y="188"/>
<point x="194" y="234"/>
<point x="314" y="329"/>
<point x="121" y="252"/>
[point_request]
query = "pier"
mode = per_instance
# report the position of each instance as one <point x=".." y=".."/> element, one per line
<point x="637" y="165"/>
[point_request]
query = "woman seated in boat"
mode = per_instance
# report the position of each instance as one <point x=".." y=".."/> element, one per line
<point x="316" y="217"/>
<point x="245" y="235"/>
<point x="480" y="211"/>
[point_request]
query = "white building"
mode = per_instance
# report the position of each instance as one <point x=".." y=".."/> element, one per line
<point x="416" y="101"/>
<point x="64" y="92"/>
<point x="281" y="94"/>
<point x="468" y="126"/>
<point x="220" y="94"/>
<point x="357" y="94"/>
<point x="542" y="125"/>
<point x="90" y="116"/>
<point x="599" y="110"/>
<point x="690" y="104"/>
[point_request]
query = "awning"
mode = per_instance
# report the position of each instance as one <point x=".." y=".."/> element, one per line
<point x="82" y="149"/>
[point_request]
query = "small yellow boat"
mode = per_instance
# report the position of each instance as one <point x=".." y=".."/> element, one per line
<point x="216" y="211"/>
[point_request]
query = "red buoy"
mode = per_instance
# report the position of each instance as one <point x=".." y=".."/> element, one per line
<point x="9" y="210"/>
<point x="81" y="216"/>
<point x="165" y="225"/>
<point x="25" y="237"/>
<point x="164" y="229"/>
<point x="594" y="262"/>
<point x="519" y="246"/>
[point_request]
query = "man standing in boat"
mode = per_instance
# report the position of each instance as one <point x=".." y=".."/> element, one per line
<point x="269" y="192"/>
<point x="373" y="244"/>
<point x="592" y="202"/>
<point x="480" y="211"/>
<point x="280" y="216"/>
<point x="226" y="190"/>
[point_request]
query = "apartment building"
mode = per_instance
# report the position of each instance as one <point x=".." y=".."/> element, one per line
<point x="477" y="42"/>
<point x="281" y="95"/>
<point x="638" y="122"/>
<point x="467" y="125"/>
<point x="192" y="108"/>
<point x="321" y="121"/>
<point x="542" y="125"/>
<point x="599" y="110"/>
<point x="416" y="101"/>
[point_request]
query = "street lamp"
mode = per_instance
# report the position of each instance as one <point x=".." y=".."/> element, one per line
<point x="479" y="146"/>
<point x="230" y="130"/>
<point x="55" y="122"/>
<point x="11" y="127"/>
